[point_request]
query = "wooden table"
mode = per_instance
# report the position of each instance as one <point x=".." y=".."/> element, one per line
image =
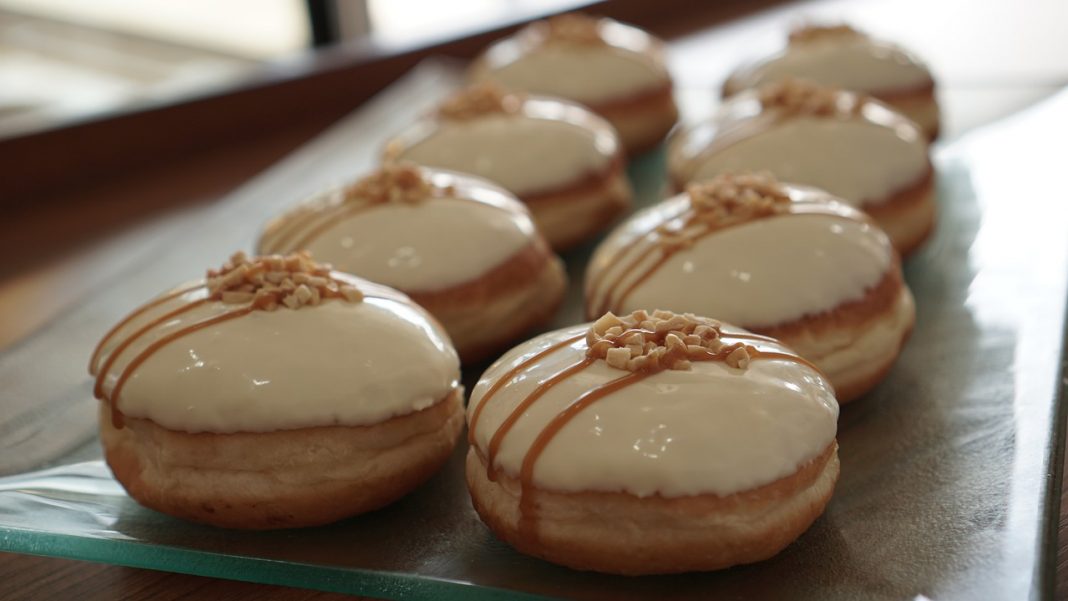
<point x="1000" y="60"/>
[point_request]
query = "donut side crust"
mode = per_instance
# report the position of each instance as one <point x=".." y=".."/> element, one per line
<point x="280" y="479"/>
<point x="620" y="533"/>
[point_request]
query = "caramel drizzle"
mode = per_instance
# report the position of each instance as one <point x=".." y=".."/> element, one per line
<point x="329" y="219"/>
<point x="113" y="398"/>
<point x="771" y="115"/>
<point x="513" y="417"/>
<point x="98" y="389"/>
<point x="527" y="513"/>
<point x="94" y="361"/>
<point x="293" y="236"/>
<point x="509" y="376"/>
<point x="691" y="218"/>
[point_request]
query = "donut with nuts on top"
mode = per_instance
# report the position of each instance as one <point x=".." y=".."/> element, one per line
<point x="712" y="445"/>
<point x="276" y="393"/>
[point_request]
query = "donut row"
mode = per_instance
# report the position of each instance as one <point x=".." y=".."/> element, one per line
<point x="698" y="406"/>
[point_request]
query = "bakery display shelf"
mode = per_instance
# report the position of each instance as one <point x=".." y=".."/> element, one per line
<point x="950" y="468"/>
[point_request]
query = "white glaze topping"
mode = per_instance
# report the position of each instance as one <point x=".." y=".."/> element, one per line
<point x="424" y="246"/>
<point x="337" y="363"/>
<point x="864" y="158"/>
<point x="587" y="74"/>
<point x="761" y="273"/>
<point x="627" y="64"/>
<point x="851" y="62"/>
<point x="548" y="145"/>
<point x="710" y="429"/>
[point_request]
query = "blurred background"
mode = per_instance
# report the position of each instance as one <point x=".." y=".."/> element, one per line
<point x="68" y="59"/>
<point x="116" y="113"/>
<point x="65" y="61"/>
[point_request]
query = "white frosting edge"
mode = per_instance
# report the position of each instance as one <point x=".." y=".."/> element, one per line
<point x="428" y="246"/>
<point x="337" y="363"/>
<point x="629" y="63"/>
<point x="562" y="143"/>
<point x="767" y="272"/>
<point x="855" y="63"/>
<point x="864" y="159"/>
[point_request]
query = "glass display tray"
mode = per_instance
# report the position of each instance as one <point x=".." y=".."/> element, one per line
<point x="950" y="468"/>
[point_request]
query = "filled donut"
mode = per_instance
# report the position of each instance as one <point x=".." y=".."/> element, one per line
<point x="563" y="161"/>
<point x="843" y="57"/>
<point x="778" y="259"/>
<point x="651" y="443"/>
<point x="847" y="144"/>
<point x="616" y="70"/>
<point x="276" y="393"/>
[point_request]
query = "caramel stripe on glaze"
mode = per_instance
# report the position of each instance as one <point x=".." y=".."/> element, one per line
<point x="98" y="390"/>
<point x="771" y="106"/>
<point x="401" y="183"/>
<point x="527" y="516"/>
<point x="113" y="397"/>
<point x="515" y="371"/>
<point x="94" y="361"/>
<point x="691" y="220"/>
<point x="506" y="426"/>
<point x="329" y="219"/>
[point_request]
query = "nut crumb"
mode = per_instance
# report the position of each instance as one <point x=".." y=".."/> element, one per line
<point x="401" y="182"/>
<point x="660" y="340"/>
<point x="812" y="33"/>
<point x="733" y="198"/>
<point x="572" y="28"/>
<point x="268" y="282"/>
<point x="739" y="357"/>
<point x="803" y="97"/>
<point x="478" y="100"/>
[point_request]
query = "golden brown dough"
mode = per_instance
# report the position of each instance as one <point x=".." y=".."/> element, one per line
<point x="651" y="443"/>
<point x="662" y="536"/>
<point x="281" y="479"/>
<point x="276" y="393"/>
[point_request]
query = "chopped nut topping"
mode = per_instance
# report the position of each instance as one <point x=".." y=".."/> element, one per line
<point x="734" y="198"/>
<point x="480" y="99"/>
<point x="739" y="357"/>
<point x="802" y="97"/>
<point x="812" y="33"/>
<point x="401" y="182"/>
<point x="661" y="340"/>
<point x="572" y="28"/>
<point x="272" y="281"/>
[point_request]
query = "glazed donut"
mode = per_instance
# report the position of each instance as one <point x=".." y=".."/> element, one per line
<point x="618" y="71"/>
<point x="563" y="161"/>
<point x="651" y="444"/>
<point x="780" y="260"/>
<point x="276" y="393"/>
<point x="843" y="57"/>
<point x="462" y="248"/>
<point x="849" y="145"/>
